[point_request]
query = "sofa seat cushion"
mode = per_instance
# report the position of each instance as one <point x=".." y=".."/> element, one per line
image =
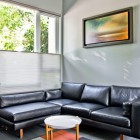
<point x="29" y="111"/>
<point x="62" y="102"/>
<point x="81" y="109"/>
<point x="111" y="115"/>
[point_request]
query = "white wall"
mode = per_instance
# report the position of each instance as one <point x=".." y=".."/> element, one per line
<point x="119" y="64"/>
<point x="50" y="5"/>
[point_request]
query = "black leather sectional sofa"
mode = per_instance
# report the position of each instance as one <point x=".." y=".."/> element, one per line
<point x="114" y="108"/>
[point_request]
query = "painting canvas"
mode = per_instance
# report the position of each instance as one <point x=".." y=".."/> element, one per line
<point x="108" y="29"/>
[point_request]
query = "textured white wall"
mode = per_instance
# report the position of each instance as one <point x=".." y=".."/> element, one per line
<point x="119" y="64"/>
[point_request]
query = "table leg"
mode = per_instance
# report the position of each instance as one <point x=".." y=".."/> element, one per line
<point x="47" y="132"/>
<point x="77" y="132"/>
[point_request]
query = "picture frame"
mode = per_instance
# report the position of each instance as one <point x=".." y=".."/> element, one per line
<point x="107" y="29"/>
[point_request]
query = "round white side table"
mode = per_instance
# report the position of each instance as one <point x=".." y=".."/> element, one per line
<point x="62" y="122"/>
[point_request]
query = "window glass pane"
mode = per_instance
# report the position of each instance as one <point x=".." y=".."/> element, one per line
<point x="48" y="34"/>
<point x="16" y="28"/>
<point x="23" y="29"/>
<point x="44" y="21"/>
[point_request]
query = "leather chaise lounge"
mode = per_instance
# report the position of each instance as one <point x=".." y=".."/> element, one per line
<point x="114" y="108"/>
<point x="18" y="111"/>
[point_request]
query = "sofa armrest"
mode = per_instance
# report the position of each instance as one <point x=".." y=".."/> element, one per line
<point x="53" y="94"/>
<point x="135" y="118"/>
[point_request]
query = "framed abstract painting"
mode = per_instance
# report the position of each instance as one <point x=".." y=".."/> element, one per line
<point x="108" y="29"/>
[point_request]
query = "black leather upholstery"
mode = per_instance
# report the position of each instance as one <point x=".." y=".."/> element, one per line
<point x="127" y="107"/>
<point x="135" y="118"/>
<point x="106" y="126"/>
<point x="72" y="90"/>
<point x="96" y="94"/>
<point x="53" y="94"/>
<point x="29" y="123"/>
<point x="111" y="115"/>
<point x="62" y="102"/>
<point x="28" y="111"/>
<point x="81" y="109"/>
<point x="23" y="124"/>
<point x="16" y="99"/>
<point x="120" y="94"/>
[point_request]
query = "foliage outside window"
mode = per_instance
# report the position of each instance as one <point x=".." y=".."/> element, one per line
<point x="17" y="26"/>
<point x="44" y="33"/>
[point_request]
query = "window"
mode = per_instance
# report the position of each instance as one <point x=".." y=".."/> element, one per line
<point x="48" y="34"/>
<point x="24" y="29"/>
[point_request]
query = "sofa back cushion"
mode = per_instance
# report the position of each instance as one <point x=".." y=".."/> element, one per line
<point x="120" y="94"/>
<point x="21" y="98"/>
<point x="53" y="94"/>
<point x="72" y="90"/>
<point x="96" y="94"/>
